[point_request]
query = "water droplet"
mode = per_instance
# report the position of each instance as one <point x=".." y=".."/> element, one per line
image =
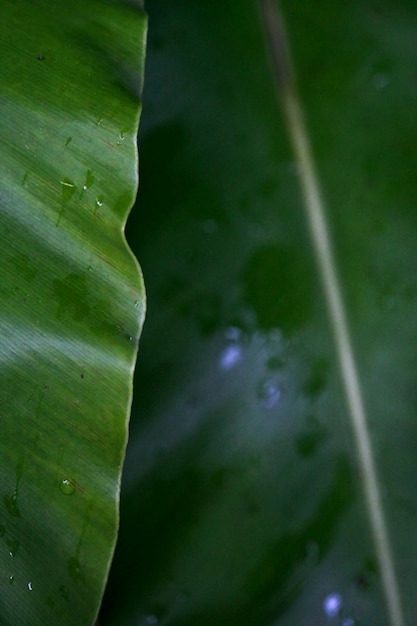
<point x="63" y="592"/>
<point x="99" y="203"/>
<point x="232" y="353"/>
<point x="11" y="580"/>
<point x="269" y="393"/>
<point x="68" y="189"/>
<point x="67" y="487"/>
<point x="136" y="304"/>
<point x="332" y="604"/>
<point x="30" y="586"/>
<point x="151" y="620"/>
<point x="121" y="137"/>
<point x="349" y="621"/>
<point x="230" y="357"/>
<point x="89" y="180"/>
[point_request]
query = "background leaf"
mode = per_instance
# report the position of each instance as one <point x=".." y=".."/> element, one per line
<point x="71" y="297"/>
<point x="242" y="499"/>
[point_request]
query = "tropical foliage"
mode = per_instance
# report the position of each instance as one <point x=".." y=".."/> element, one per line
<point x="243" y="499"/>
<point x="71" y="298"/>
<point x="269" y="478"/>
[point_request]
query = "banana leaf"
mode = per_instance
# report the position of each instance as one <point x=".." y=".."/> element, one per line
<point x="72" y="299"/>
<point x="260" y="488"/>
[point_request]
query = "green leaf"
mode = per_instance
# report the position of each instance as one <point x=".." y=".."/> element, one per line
<point x="254" y="493"/>
<point x="72" y="299"/>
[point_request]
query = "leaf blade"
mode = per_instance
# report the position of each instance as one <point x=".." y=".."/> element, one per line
<point x="72" y="299"/>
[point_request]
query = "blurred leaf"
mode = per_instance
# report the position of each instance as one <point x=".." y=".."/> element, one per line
<point x="71" y="297"/>
<point x="243" y="501"/>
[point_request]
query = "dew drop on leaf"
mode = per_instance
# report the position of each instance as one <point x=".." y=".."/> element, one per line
<point x="98" y="203"/>
<point x="332" y="604"/>
<point x="89" y="180"/>
<point x="232" y="353"/>
<point x="67" y="487"/>
<point x="68" y="189"/>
